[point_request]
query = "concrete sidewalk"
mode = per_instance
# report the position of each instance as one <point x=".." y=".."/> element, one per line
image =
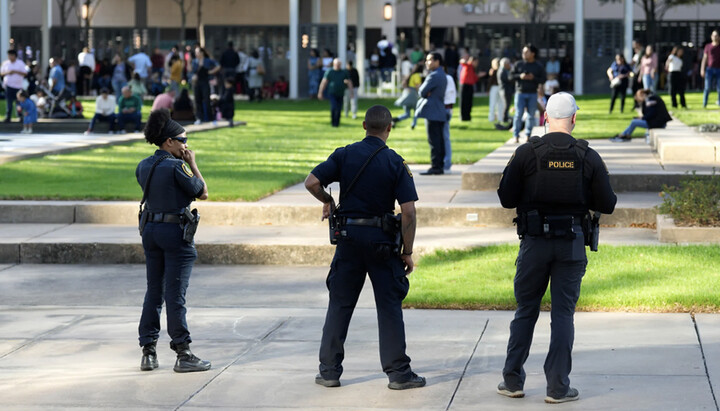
<point x="68" y="340"/>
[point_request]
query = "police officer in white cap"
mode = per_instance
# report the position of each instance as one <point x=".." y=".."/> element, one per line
<point x="553" y="181"/>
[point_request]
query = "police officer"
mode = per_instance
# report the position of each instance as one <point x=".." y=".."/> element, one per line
<point x="365" y="247"/>
<point x="169" y="188"/>
<point x="553" y="181"/>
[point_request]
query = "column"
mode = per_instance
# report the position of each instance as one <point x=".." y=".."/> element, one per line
<point x="389" y="27"/>
<point x="316" y="11"/>
<point x="342" y="31"/>
<point x="360" y="45"/>
<point x="294" y="45"/>
<point x="46" y="24"/>
<point x="579" y="47"/>
<point x="627" y="50"/>
<point x="4" y="28"/>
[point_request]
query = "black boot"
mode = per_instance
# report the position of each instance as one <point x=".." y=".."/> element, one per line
<point x="187" y="361"/>
<point x="149" y="359"/>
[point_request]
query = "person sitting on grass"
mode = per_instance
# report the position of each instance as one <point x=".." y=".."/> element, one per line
<point x="129" y="109"/>
<point x="75" y="107"/>
<point x="137" y="86"/>
<point x="40" y="100"/>
<point x="104" y="110"/>
<point x="654" y="115"/>
<point x="183" y="109"/>
<point x="29" y="111"/>
<point x="164" y="100"/>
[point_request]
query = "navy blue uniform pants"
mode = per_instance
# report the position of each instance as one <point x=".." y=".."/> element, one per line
<point x="353" y="259"/>
<point x="561" y="262"/>
<point x="169" y="260"/>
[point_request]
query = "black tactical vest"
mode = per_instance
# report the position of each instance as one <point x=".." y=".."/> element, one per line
<point x="559" y="176"/>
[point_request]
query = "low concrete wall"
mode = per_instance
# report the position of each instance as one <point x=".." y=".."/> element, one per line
<point x="668" y="232"/>
<point x="679" y="143"/>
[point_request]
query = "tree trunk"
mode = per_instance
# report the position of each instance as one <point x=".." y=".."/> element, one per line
<point x="87" y="23"/>
<point x="533" y="23"/>
<point x="200" y="25"/>
<point x="426" y="25"/>
<point x="416" y="25"/>
<point x="651" y="24"/>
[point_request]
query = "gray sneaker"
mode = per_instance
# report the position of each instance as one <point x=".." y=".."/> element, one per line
<point x="502" y="389"/>
<point x="326" y="383"/>
<point x="572" y="395"/>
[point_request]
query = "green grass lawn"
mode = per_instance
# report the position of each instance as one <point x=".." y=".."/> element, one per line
<point x="632" y="278"/>
<point x="282" y="142"/>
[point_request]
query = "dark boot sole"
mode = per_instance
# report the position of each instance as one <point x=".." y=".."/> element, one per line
<point x="184" y="370"/>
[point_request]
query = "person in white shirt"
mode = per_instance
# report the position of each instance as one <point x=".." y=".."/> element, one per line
<point x="450" y="98"/>
<point x="105" y="106"/>
<point x="141" y="64"/>
<point x="674" y="65"/>
<point x="40" y="102"/>
<point x="86" y="60"/>
<point x="13" y="71"/>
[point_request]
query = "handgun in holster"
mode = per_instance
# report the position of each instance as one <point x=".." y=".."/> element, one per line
<point x="392" y="225"/>
<point x="190" y="221"/>
<point x="591" y="229"/>
<point x="143" y="215"/>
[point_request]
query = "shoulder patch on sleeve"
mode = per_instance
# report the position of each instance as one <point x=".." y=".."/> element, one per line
<point x="511" y="159"/>
<point x="187" y="171"/>
<point x="407" y="168"/>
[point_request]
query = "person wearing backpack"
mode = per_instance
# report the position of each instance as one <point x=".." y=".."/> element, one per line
<point x="553" y="181"/>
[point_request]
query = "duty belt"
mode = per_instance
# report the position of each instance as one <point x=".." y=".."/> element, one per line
<point x="370" y="222"/>
<point x="164" y="218"/>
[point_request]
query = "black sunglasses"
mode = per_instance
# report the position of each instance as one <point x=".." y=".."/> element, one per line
<point x="180" y="139"/>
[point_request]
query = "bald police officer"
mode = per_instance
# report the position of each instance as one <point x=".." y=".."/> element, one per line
<point x="553" y="181"/>
<point x="372" y="177"/>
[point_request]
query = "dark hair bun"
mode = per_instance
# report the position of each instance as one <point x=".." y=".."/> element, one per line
<point x="155" y="125"/>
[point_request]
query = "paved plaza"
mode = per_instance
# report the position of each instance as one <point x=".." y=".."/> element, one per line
<point x="69" y="341"/>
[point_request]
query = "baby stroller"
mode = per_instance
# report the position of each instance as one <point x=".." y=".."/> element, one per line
<point x="56" y="102"/>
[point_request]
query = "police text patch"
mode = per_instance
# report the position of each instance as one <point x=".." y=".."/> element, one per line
<point x="408" y="169"/>
<point x="187" y="171"/>
<point x="560" y="164"/>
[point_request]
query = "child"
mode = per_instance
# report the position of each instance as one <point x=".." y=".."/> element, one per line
<point x="71" y="76"/>
<point x="29" y="111"/>
<point x="267" y="91"/>
<point x="226" y="103"/>
<point x="40" y="102"/>
<point x="281" y="87"/>
<point x="75" y="107"/>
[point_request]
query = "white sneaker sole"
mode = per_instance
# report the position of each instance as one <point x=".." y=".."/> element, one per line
<point x="551" y="400"/>
<point x="511" y="394"/>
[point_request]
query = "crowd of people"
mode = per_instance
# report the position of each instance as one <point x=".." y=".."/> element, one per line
<point x="169" y="77"/>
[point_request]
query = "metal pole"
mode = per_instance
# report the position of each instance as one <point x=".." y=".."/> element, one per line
<point x="294" y="44"/>
<point x="46" y="23"/>
<point x="579" y="46"/>
<point x="4" y="28"/>
<point x="627" y="50"/>
<point x="342" y="31"/>
<point x="360" y="44"/>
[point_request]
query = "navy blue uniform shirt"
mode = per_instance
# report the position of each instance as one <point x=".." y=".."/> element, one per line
<point x="513" y="192"/>
<point x="387" y="178"/>
<point x="173" y="185"/>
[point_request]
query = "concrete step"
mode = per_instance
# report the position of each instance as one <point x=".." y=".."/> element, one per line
<point x="633" y="167"/>
<point x="467" y="209"/>
<point x="270" y="245"/>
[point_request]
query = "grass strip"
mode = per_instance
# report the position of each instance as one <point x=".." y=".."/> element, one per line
<point x="668" y="278"/>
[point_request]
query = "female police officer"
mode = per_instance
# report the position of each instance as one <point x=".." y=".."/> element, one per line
<point x="169" y="185"/>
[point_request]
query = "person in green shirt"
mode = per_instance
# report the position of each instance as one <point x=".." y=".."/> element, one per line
<point x="336" y="81"/>
<point x="417" y="55"/>
<point x="129" y="109"/>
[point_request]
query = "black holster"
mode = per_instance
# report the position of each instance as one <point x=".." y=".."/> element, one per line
<point x="534" y="224"/>
<point x="392" y="225"/>
<point x="143" y="215"/>
<point x="591" y="229"/>
<point x="190" y="221"/>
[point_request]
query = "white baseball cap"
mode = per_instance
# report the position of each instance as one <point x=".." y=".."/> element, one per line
<point x="561" y="105"/>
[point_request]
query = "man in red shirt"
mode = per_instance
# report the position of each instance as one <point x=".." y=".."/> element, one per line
<point x="468" y="78"/>
<point x="710" y="67"/>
